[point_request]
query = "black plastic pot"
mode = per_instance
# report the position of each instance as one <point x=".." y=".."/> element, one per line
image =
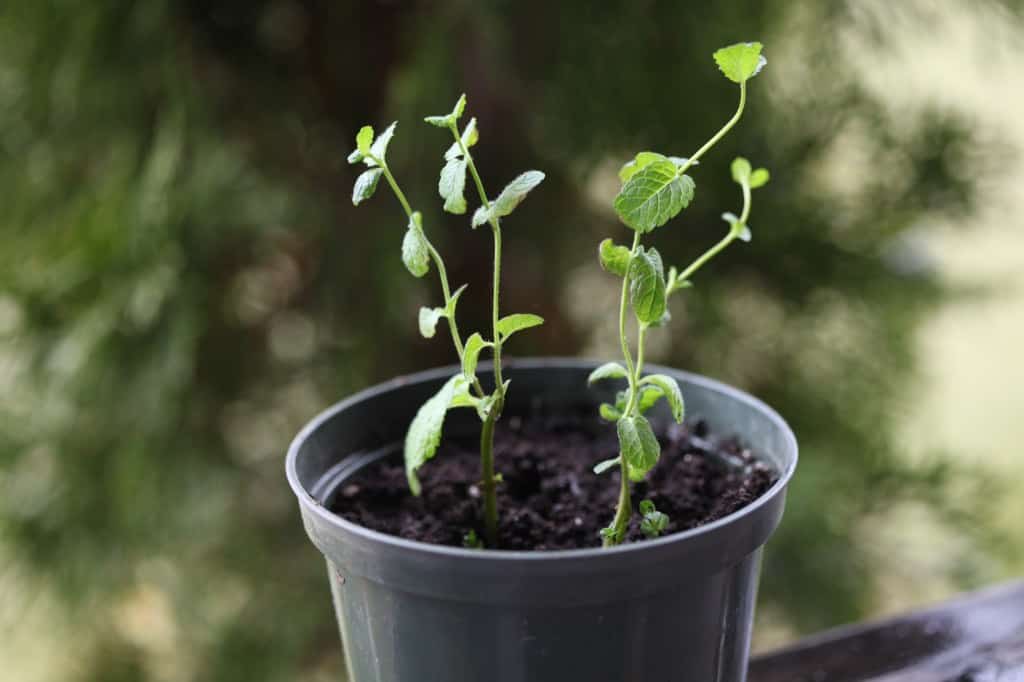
<point x="674" y="609"/>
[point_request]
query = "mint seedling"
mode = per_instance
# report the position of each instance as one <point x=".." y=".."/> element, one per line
<point x="653" y="522"/>
<point x="464" y="388"/>
<point x="656" y="188"/>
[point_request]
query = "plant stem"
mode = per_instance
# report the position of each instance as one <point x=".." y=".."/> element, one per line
<point x="490" y="485"/>
<point x="721" y="133"/>
<point x="724" y="242"/>
<point x="624" y="509"/>
<point x="442" y="272"/>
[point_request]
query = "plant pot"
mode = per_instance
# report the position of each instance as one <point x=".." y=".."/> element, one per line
<point x="675" y="609"/>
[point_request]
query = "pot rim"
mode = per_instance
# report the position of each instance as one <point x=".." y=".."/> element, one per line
<point x="311" y="505"/>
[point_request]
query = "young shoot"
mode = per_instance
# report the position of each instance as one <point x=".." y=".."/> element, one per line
<point x="464" y="388"/>
<point x="656" y="188"/>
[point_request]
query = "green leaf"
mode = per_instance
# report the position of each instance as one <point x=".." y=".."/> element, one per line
<point x="364" y="138"/>
<point x="639" y="162"/>
<point x="647" y="286"/>
<point x="649" y="396"/>
<point x="480" y="216"/>
<point x="741" y="170"/>
<point x="638" y="445"/>
<point x="653" y="195"/>
<point x="452" y="184"/>
<point x="355" y="157"/>
<point x="614" y="257"/>
<point x="741" y="230"/>
<point x="448" y="120"/>
<point x="424" y="434"/>
<point x="470" y="136"/>
<point x="653" y="522"/>
<point x="740" y="62"/>
<point x="670" y="388"/>
<point x="759" y="178"/>
<point x="379" y="149"/>
<point x="510" y="324"/>
<point x="609" y="370"/>
<point x="428" y="321"/>
<point x="607" y="464"/>
<point x="471" y="354"/>
<point x="515" y="192"/>
<point x="453" y="300"/>
<point x="471" y="541"/>
<point x="609" y="413"/>
<point x="366" y="185"/>
<point x="415" y="251"/>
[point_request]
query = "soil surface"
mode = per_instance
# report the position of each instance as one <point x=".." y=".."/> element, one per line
<point x="550" y="498"/>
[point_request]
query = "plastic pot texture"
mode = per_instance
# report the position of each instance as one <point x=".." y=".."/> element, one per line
<point x="675" y="609"/>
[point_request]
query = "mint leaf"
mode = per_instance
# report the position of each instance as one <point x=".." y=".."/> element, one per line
<point x="741" y="230"/>
<point x="740" y="62"/>
<point x="448" y="120"/>
<point x="639" y="162"/>
<point x="471" y="354"/>
<point x="740" y="170"/>
<point x="428" y="321"/>
<point x="424" y="434"/>
<point x="379" y="149"/>
<point x="355" y="157"/>
<point x="609" y="370"/>
<point x="415" y="251"/>
<point x="366" y="185"/>
<point x="510" y="324"/>
<point x="614" y="258"/>
<point x="759" y="178"/>
<point x="515" y="192"/>
<point x="364" y="138"/>
<point x="653" y="522"/>
<point x="607" y="464"/>
<point x="670" y="388"/>
<point x="647" y="286"/>
<point x="638" y="445"/>
<point x="653" y="195"/>
<point x="509" y="198"/>
<point x="480" y="216"/>
<point x="470" y="136"/>
<point x="452" y="184"/>
<point x="454" y="299"/>
<point x="649" y="396"/>
<point x="609" y="413"/>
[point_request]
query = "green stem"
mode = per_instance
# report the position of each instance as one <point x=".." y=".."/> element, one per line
<point x="724" y="242"/>
<point x="489" y="482"/>
<point x="442" y="272"/>
<point x="623" y="511"/>
<point x="721" y="133"/>
<point x="490" y="487"/>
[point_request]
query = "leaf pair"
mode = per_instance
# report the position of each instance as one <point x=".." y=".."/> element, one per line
<point x="373" y="153"/>
<point x="452" y="184"/>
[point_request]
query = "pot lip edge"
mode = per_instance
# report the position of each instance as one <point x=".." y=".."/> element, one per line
<point x="425" y="549"/>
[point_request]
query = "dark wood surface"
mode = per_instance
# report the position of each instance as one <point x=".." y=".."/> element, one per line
<point x="978" y="637"/>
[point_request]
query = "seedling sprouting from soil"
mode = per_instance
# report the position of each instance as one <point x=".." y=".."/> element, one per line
<point x="463" y="389"/>
<point x="656" y="188"/>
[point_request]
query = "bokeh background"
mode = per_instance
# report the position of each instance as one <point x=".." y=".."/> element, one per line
<point x="184" y="282"/>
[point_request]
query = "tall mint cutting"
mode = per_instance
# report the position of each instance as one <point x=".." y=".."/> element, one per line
<point x="464" y="388"/>
<point x="656" y="189"/>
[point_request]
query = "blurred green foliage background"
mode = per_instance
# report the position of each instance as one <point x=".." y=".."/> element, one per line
<point x="184" y="282"/>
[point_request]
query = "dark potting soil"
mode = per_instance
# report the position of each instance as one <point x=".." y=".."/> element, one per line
<point x="550" y="498"/>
